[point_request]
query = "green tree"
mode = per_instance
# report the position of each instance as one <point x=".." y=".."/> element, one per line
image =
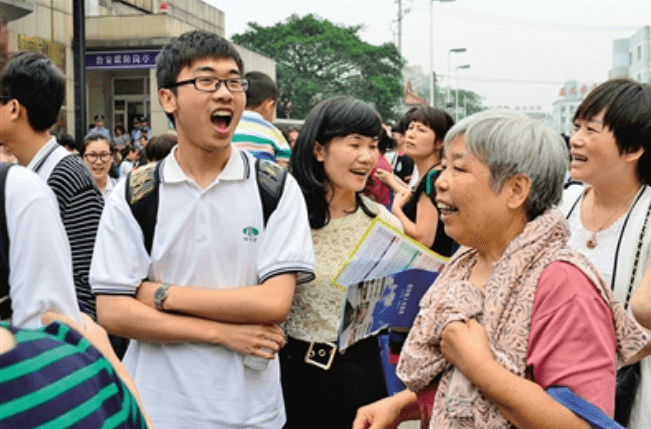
<point x="317" y="59"/>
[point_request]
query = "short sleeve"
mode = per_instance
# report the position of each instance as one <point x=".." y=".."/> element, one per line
<point x="572" y="340"/>
<point x="120" y="259"/>
<point x="287" y="243"/>
<point x="40" y="274"/>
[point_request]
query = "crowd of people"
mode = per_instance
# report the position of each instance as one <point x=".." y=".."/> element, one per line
<point x="186" y="280"/>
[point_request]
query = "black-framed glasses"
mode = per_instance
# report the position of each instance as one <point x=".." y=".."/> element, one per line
<point x="94" y="156"/>
<point x="6" y="97"/>
<point x="212" y="84"/>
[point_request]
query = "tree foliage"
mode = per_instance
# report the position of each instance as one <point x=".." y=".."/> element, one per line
<point x="317" y="59"/>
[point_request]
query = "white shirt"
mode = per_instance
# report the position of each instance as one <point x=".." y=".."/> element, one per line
<point x="47" y="158"/>
<point x="211" y="238"/>
<point x="40" y="276"/>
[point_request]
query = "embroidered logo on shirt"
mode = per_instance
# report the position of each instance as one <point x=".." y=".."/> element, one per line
<point x="250" y="234"/>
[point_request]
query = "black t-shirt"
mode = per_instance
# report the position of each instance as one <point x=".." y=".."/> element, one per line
<point x="403" y="167"/>
<point x="443" y="245"/>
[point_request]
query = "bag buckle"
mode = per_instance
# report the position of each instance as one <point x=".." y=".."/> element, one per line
<point x="321" y="355"/>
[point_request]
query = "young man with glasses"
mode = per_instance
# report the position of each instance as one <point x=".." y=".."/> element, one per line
<point x="219" y="279"/>
<point x="31" y="94"/>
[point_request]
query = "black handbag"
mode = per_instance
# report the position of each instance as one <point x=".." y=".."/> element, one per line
<point x="628" y="379"/>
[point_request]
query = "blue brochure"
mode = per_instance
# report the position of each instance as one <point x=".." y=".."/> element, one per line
<point x="385" y="277"/>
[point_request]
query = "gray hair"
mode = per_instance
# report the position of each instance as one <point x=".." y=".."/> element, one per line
<point x="511" y="143"/>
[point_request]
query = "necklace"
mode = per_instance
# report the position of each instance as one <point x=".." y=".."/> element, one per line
<point x="592" y="241"/>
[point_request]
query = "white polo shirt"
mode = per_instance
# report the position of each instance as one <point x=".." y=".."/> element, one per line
<point x="40" y="274"/>
<point x="211" y="238"/>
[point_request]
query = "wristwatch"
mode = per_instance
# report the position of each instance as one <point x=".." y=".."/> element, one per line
<point x="161" y="295"/>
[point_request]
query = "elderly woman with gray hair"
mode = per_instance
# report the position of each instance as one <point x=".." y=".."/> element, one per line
<point x="515" y="311"/>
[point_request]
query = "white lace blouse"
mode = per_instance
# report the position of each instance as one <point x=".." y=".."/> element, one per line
<point x="318" y="305"/>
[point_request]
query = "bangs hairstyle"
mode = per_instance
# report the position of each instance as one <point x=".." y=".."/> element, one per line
<point x="511" y="143"/>
<point x="437" y="120"/>
<point x="182" y="51"/>
<point x="335" y="117"/>
<point x="627" y="105"/>
<point x="95" y="137"/>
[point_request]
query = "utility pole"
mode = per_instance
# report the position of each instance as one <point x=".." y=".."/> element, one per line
<point x="79" y="62"/>
<point x="401" y="15"/>
<point x="434" y="87"/>
<point x="400" y="27"/>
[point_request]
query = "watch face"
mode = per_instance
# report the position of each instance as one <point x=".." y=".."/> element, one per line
<point x="160" y="294"/>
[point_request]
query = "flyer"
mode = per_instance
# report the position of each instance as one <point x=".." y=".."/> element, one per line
<point x="385" y="277"/>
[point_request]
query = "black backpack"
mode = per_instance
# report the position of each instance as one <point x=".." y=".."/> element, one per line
<point x="143" y="183"/>
<point x="5" y="300"/>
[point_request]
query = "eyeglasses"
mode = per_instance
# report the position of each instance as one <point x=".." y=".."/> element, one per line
<point x="94" y="156"/>
<point x="6" y="97"/>
<point x="212" y="84"/>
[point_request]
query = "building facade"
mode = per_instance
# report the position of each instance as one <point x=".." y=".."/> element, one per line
<point x="123" y="38"/>
<point x="569" y="98"/>
<point x="632" y="56"/>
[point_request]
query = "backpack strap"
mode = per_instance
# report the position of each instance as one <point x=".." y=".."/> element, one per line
<point x="142" y="193"/>
<point x="271" y="181"/>
<point x="142" y="196"/>
<point x="5" y="300"/>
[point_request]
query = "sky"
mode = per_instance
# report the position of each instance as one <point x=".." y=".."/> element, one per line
<point x="520" y="52"/>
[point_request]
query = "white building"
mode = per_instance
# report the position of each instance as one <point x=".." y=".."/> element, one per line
<point x="570" y="96"/>
<point x="632" y="56"/>
<point x="123" y="38"/>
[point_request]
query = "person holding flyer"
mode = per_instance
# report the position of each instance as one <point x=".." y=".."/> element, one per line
<point x="331" y="161"/>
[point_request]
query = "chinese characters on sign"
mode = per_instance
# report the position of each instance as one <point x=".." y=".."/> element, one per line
<point x="121" y="60"/>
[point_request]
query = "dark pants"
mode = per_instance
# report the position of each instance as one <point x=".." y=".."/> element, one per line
<point x="317" y="398"/>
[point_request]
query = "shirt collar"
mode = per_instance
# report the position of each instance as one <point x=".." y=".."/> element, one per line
<point x="43" y="153"/>
<point x="236" y="168"/>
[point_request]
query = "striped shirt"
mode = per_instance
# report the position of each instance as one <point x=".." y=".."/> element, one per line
<point x="80" y="207"/>
<point x="55" y="379"/>
<point x="261" y="138"/>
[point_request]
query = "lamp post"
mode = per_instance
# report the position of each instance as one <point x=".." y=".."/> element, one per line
<point x="456" y="96"/>
<point x="431" y="50"/>
<point x="456" y="51"/>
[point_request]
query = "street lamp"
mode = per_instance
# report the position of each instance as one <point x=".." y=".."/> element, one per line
<point x="456" y="96"/>
<point x="456" y="51"/>
<point x="431" y="50"/>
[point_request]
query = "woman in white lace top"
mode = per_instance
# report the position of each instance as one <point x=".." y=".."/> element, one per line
<point x="331" y="161"/>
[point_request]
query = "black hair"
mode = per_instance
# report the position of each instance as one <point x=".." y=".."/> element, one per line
<point x="627" y="105"/>
<point x="385" y="142"/>
<point x="437" y="120"/>
<point x="67" y="141"/>
<point x="261" y="87"/>
<point x="404" y="121"/>
<point x="93" y="137"/>
<point x="119" y="126"/>
<point x="335" y="117"/>
<point x="160" y="146"/>
<point x="182" y="51"/>
<point x="38" y="85"/>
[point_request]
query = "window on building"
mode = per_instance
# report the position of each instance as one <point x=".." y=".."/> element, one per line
<point x="630" y="57"/>
<point x="639" y="53"/>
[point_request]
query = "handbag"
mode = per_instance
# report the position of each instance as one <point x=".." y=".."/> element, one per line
<point x="596" y="418"/>
<point x="628" y="380"/>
